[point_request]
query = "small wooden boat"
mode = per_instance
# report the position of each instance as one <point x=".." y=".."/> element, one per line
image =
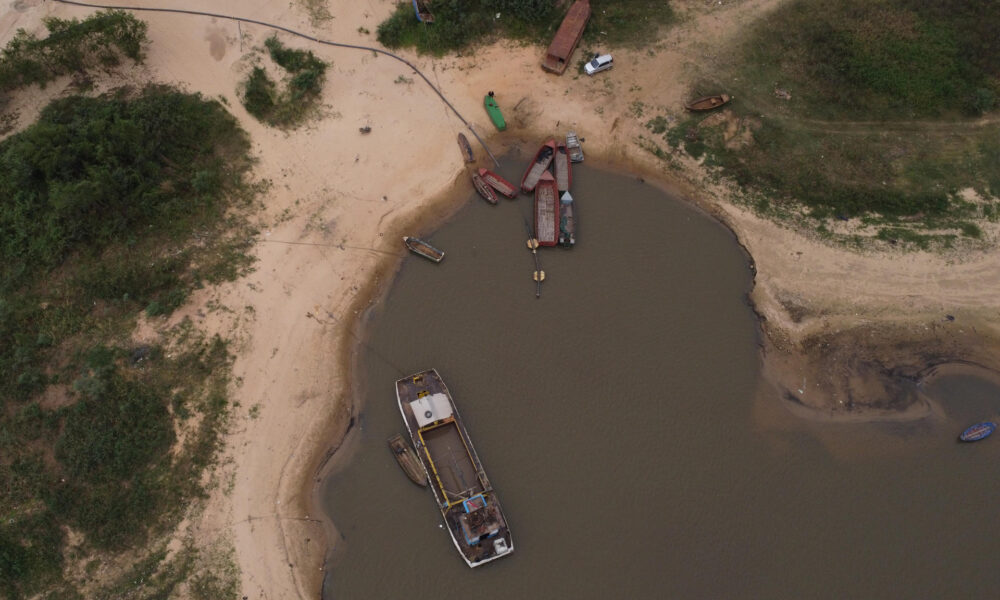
<point x="978" y="432"/>
<point x="539" y="164"/>
<point x="423" y="13"/>
<point x="488" y="193"/>
<point x="567" y="221"/>
<point x="708" y="102"/>
<point x="407" y="460"/>
<point x="561" y="168"/>
<point x="574" y="147"/>
<point x="493" y="110"/>
<point x="498" y="183"/>
<point x="463" y="144"/>
<point x="546" y="210"/>
<point x="418" y="246"/>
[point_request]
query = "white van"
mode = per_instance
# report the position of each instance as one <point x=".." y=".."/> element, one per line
<point x="599" y="63"/>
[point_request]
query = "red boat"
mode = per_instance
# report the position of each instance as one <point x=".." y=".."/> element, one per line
<point x="546" y="210"/>
<point x="484" y="190"/>
<point x="498" y="183"/>
<point x="563" y="171"/>
<point x="539" y="164"/>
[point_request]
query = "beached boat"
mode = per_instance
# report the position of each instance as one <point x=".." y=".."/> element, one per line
<point x="567" y="221"/>
<point x="539" y="164"/>
<point x="546" y="211"/>
<point x="418" y="246"/>
<point x="463" y="145"/>
<point x="488" y="193"/>
<point x="423" y="13"/>
<point x="464" y="495"/>
<point x="978" y="432"/>
<point x="493" y="110"/>
<point x="498" y="183"/>
<point x="574" y="147"/>
<point x="561" y="168"/>
<point x="407" y="460"/>
<point x="708" y="102"/>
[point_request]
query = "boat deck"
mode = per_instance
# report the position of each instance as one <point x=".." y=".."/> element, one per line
<point x="562" y="169"/>
<point x="457" y="476"/>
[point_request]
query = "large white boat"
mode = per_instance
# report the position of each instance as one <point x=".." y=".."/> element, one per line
<point x="464" y="495"/>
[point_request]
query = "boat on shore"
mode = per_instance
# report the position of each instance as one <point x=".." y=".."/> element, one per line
<point x="493" y="110"/>
<point x="708" y="102"/>
<point x="487" y="192"/>
<point x="562" y="169"/>
<point x="546" y="211"/>
<point x="574" y="147"/>
<point x="539" y="164"/>
<point x="463" y="145"/>
<point x="498" y="183"/>
<point x="407" y="460"/>
<point x="423" y="13"/>
<point x="466" y="498"/>
<point x="978" y="431"/>
<point x="418" y="246"/>
<point x="567" y="221"/>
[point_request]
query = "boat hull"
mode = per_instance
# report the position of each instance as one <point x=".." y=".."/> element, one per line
<point x="708" y="102"/>
<point x="573" y="147"/>
<point x="562" y="169"/>
<point x="977" y="432"/>
<point x="539" y="165"/>
<point x="546" y="211"/>
<point x="463" y="144"/>
<point x="422" y="248"/>
<point x="493" y="110"/>
<point x="498" y="183"/>
<point x="407" y="460"/>
<point x="567" y="221"/>
<point x="464" y="495"/>
<point x="487" y="192"/>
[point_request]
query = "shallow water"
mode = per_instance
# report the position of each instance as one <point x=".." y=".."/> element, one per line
<point x="618" y="419"/>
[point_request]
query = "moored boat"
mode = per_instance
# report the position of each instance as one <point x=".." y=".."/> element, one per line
<point x="498" y="183"/>
<point x="493" y="110"/>
<point x="407" y="460"/>
<point x="567" y="221"/>
<point x="488" y="193"/>
<point x="418" y="246"/>
<point x="708" y="102"/>
<point x="463" y="145"/>
<point x="546" y="211"/>
<point x="466" y="498"/>
<point x="574" y="147"/>
<point x="423" y="13"/>
<point x="539" y="164"/>
<point x="978" y="431"/>
<point x="562" y="169"/>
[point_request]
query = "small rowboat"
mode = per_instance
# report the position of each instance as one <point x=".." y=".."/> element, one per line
<point x="484" y="190"/>
<point x="708" y="102"/>
<point x="539" y="164"/>
<point x="493" y="109"/>
<point x="418" y="246"/>
<point x="498" y="183"/>
<point x="407" y="460"/>
<point x="463" y="144"/>
<point x="978" y="432"/>
<point x="574" y="147"/>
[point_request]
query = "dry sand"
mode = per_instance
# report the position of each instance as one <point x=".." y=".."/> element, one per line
<point x="841" y="326"/>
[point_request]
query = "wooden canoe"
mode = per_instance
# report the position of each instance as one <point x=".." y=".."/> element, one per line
<point x="977" y="432"/>
<point x="708" y="102"/>
<point x="539" y="164"/>
<point x="488" y="193"/>
<point x="407" y="460"/>
<point x="463" y="144"/>
<point x="498" y="183"/>
<point x="422" y="248"/>
<point x="546" y="211"/>
<point x="561" y="168"/>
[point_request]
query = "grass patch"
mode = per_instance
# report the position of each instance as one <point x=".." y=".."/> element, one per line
<point x="111" y="205"/>
<point x="72" y="46"/>
<point x="300" y="94"/>
<point x="458" y="25"/>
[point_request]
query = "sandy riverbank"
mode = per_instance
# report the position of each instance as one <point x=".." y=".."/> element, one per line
<point x="847" y="324"/>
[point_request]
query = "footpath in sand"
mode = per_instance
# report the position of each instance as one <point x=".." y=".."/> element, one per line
<point x="339" y="201"/>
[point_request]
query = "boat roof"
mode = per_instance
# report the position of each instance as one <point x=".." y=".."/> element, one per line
<point x="431" y="408"/>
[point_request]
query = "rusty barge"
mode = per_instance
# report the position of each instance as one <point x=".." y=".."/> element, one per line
<point x="567" y="37"/>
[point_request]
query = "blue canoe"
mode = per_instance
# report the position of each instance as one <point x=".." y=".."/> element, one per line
<point x="977" y="432"/>
<point x="423" y="13"/>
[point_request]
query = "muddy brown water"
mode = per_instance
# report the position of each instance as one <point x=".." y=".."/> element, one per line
<point x="620" y="420"/>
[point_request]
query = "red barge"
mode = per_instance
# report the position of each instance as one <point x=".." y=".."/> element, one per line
<point x="546" y="211"/>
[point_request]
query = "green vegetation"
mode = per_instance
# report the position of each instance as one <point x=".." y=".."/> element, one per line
<point x="846" y="144"/>
<point x="302" y="91"/>
<point x="461" y="23"/>
<point x="111" y="206"/>
<point x="72" y="46"/>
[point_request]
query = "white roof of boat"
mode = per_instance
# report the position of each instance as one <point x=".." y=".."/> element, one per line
<point x="431" y="408"/>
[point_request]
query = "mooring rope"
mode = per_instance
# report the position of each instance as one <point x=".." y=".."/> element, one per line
<point x="302" y="35"/>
